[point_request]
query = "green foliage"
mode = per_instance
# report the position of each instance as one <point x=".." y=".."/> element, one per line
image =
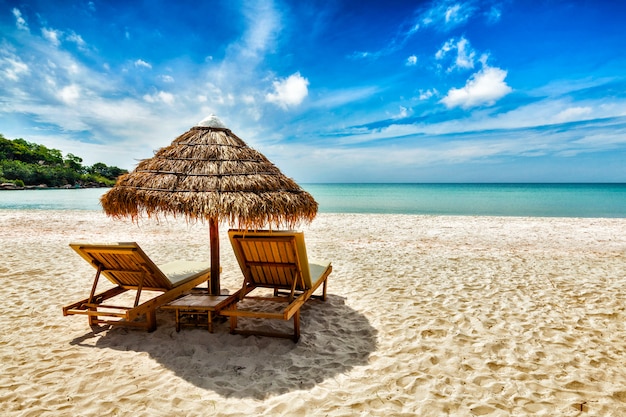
<point x="32" y="164"/>
<point x="74" y="162"/>
<point x="105" y="171"/>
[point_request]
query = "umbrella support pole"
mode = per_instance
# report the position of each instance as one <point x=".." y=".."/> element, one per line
<point x="214" y="283"/>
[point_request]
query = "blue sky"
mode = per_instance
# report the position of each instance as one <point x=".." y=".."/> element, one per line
<point x="330" y="91"/>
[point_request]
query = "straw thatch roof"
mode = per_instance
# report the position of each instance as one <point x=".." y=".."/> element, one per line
<point x="210" y="173"/>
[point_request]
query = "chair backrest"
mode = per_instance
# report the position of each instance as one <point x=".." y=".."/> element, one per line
<point x="124" y="264"/>
<point x="272" y="259"/>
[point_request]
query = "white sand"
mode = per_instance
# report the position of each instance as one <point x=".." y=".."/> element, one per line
<point x="426" y="316"/>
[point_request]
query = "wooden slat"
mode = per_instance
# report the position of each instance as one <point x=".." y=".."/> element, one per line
<point x="253" y="314"/>
<point x="108" y="249"/>
<point x="98" y="313"/>
<point x="131" y="269"/>
<point x="109" y="306"/>
<point x="272" y="264"/>
<point x="271" y="261"/>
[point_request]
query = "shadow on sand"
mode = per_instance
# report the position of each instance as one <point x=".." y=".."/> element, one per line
<point x="335" y="338"/>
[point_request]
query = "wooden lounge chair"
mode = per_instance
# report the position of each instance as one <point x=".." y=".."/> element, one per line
<point x="129" y="268"/>
<point x="275" y="260"/>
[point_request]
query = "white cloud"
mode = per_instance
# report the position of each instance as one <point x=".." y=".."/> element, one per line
<point x="573" y="114"/>
<point x="411" y="61"/>
<point x="69" y="94"/>
<point x="340" y="98"/>
<point x="452" y="13"/>
<point x="20" y="22"/>
<point x="289" y="92"/>
<point x="483" y="88"/>
<point x="53" y="36"/>
<point x="73" y="68"/>
<point x="12" y="67"/>
<point x="77" y="39"/>
<point x="167" y="78"/>
<point x="426" y="94"/>
<point x="404" y="112"/>
<point x="264" y="26"/>
<point x="140" y="63"/>
<point x="465" y="55"/>
<point x="167" y="98"/>
<point x="448" y="14"/>
<point x="160" y="97"/>
<point x="445" y="48"/>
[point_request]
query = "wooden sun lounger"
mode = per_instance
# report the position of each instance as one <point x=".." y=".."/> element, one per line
<point x="128" y="267"/>
<point x="276" y="260"/>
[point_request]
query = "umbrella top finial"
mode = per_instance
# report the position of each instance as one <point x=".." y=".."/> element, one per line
<point x="212" y="121"/>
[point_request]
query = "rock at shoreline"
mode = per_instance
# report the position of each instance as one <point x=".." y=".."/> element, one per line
<point x="10" y="186"/>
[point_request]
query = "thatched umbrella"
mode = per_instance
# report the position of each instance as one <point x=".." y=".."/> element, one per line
<point x="208" y="173"/>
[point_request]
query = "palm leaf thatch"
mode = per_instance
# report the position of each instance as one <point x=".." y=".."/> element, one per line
<point x="210" y="173"/>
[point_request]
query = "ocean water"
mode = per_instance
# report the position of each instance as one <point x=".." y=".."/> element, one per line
<point x="52" y="199"/>
<point x="526" y="200"/>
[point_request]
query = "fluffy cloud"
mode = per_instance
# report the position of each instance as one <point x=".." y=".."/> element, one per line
<point x="573" y="114"/>
<point x="483" y="88"/>
<point x="20" y="23"/>
<point x="452" y="13"/>
<point x="403" y="113"/>
<point x="411" y="61"/>
<point x="69" y="94"/>
<point x="289" y="92"/>
<point x="160" y="97"/>
<point x="77" y="39"/>
<point x="140" y="63"/>
<point x="448" y="14"/>
<point x="464" y="53"/>
<point x="53" y="36"/>
<point x="12" y="67"/>
<point x="426" y="94"/>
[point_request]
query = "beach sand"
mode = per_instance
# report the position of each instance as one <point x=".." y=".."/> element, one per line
<point x="427" y="315"/>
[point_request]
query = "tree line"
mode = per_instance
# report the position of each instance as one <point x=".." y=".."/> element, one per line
<point x="29" y="164"/>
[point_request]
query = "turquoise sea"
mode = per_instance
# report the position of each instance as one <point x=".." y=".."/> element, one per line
<point x="527" y="200"/>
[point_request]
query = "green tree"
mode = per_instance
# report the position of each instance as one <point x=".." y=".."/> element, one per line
<point x="110" y="172"/>
<point x="74" y="163"/>
<point x="14" y="170"/>
<point x="36" y="164"/>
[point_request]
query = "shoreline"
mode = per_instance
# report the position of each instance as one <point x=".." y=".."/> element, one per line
<point x="13" y="187"/>
<point x="100" y="211"/>
<point x="427" y="315"/>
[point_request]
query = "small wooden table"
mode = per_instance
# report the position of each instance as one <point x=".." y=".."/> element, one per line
<point x="196" y="306"/>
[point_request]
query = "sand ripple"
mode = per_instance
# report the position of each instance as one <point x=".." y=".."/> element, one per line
<point x="429" y="316"/>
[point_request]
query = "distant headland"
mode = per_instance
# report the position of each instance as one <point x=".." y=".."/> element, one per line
<point x="25" y="165"/>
